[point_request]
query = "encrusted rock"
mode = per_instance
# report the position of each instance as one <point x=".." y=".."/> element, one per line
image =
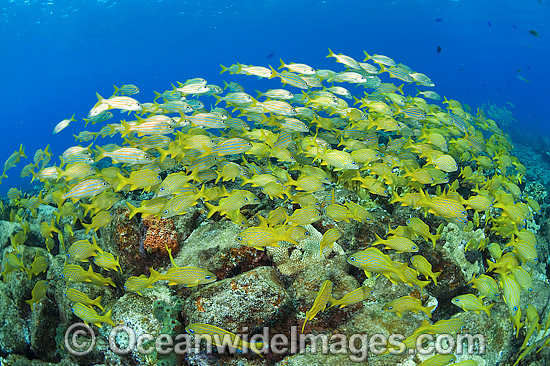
<point x="253" y="299"/>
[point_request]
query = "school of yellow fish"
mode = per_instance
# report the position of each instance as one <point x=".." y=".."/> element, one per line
<point x="293" y="143"/>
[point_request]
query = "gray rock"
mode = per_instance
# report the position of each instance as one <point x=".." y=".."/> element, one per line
<point x="253" y="299"/>
<point x="15" y="336"/>
<point x="7" y="229"/>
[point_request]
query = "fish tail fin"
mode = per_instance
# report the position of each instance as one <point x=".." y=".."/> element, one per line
<point x="97" y="302"/>
<point x="30" y="302"/>
<point x="428" y="310"/>
<point x="224" y="69"/>
<point x="287" y="236"/>
<point x="378" y="240"/>
<point x="59" y="173"/>
<point x="116" y="89"/>
<point x="72" y="117"/>
<point x="282" y="64"/>
<point x="133" y="210"/>
<point x="194" y="175"/>
<point x="487" y="309"/>
<point x="400" y="271"/>
<point x="155" y="275"/>
<point x="218" y="99"/>
<point x="424" y="200"/>
<point x="34" y="175"/>
<point x="170" y="255"/>
<point x="53" y="227"/>
<point x="88" y="227"/>
<point x="29" y="272"/>
<point x="22" y="151"/>
<point x="100" y="153"/>
<point x="126" y="130"/>
<point x="400" y="88"/>
<point x="122" y="181"/>
<point x="434" y="238"/>
<point x="211" y="209"/>
<point x="273" y="72"/>
<point x="330" y="53"/>
<point x="367" y="56"/>
<point x="107" y="318"/>
<point x="201" y="193"/>
<point x="162" y="153"/>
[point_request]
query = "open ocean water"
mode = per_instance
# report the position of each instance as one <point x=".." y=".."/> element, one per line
<point x="55" y="55"/>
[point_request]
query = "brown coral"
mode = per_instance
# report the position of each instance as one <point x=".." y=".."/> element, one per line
<point x="160" y="233"/>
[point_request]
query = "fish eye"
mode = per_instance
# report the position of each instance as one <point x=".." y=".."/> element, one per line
<point x="529" y="289"/>
<point x="307" y="233"/>
<point x="165" y="212"/>
<point x="278" y="181"/>
<point x="104" y="184"/>
<point x="255" y="198"/>
<point x="352" y="259"/>
<point x="408" y="221"/>
<point x="463" y="213"/>
<point x="207" y="277"/>
<point x="246" y="199"/>
<point x="161" y="189"/>
<point x="190" y="330"/>
<point x="239" y="238"/>
<point x="324" y="211"/>
<point x="456" y="300"/>
<point x="414" y="247"/>
<point x="390" y="308"/>
<point x="515" y="308"/>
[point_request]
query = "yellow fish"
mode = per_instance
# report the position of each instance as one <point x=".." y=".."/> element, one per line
<point x="471" y="302"/>
<point x="423" y="266"/>
<point x="77" y="296"/>
<point x="81" y="250"/>
<point x="399" y="244"/>
<point x="140" y="283"/>
<point x="407" y="303"/>
<point x="89" y="315"/>
<point x="352" y="297"/>
<point x="260" y="237"/>
<point x="321" y="301"/>
<point x="106" y="260"/>
<point x="39" y="264"/>
<point x="38" y="292"/>
<point x="329" y="238"/>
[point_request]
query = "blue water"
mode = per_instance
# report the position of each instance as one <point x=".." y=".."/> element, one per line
<point x="56" y="54"/>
